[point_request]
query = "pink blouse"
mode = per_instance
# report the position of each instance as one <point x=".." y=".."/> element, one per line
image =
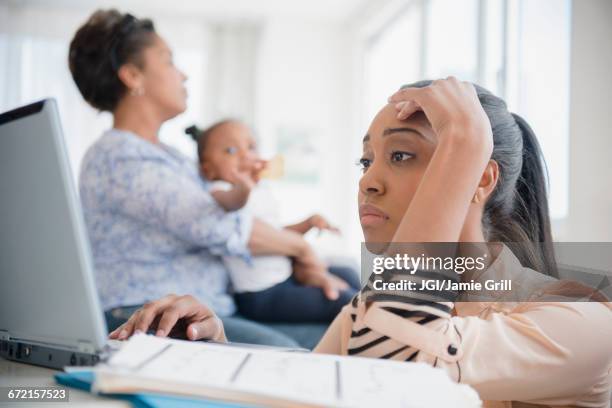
<point x="514" y="354"/>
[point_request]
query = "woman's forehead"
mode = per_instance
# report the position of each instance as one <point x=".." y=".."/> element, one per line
<point x="387" y="119"/>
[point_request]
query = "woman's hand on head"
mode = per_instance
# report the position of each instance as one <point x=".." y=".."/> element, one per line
<point x="453" y="110"/>
<point x="172" y="315"/>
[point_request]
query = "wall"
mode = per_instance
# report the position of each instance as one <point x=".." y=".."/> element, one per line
<point x="303" y="84"/>
<point x="590" y="207"/>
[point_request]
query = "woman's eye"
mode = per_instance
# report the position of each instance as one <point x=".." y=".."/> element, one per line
<point x="401" y="156"/>
<point x="364" y="163"/>
<point x="231" y="150"/>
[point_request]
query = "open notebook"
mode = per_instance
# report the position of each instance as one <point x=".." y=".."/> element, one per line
<point x="275" y="378"/>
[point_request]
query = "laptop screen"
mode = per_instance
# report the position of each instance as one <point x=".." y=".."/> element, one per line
<point x="47" y="290"/>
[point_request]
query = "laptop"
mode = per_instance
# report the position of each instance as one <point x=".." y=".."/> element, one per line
<point x="50" y="314"/>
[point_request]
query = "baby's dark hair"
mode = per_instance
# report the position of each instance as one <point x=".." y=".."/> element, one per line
<point x="201" y="136"/>
<point x="106" y="41"/>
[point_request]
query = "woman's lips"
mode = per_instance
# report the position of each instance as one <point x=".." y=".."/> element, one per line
<point x="371" y="216"/>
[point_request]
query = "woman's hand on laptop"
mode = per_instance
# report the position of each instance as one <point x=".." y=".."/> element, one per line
<point x="176" y="316"/>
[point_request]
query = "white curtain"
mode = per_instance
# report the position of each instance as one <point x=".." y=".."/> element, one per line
<point x="218" y="60"/>
<point x="233" y="61"/>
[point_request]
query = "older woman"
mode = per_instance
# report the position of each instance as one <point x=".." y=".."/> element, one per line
<point x="153" y="225"/>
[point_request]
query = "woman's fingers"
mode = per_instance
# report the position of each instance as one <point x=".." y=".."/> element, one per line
<point x="168" y="319"/>
<point x="114" y="335"/>
<point x="410" y="94"/>
<point x="168" y="311"/>
<point x="339" y="282"/>
<point x="452" y="108"/>
<point x="141" y="319"/>
<point x="145" y="317"/>
<point x="331" y="286"/>
<point x="209" y="328"/>
<point x="429" y="99"/>
<point x="201" y="322"/>
<point x="128" y="328"/>
<point x="330" y="291"/>
<point x="406" y="109"/>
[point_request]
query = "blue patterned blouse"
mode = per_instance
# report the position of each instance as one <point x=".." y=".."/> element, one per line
<point x="153" y="226"/>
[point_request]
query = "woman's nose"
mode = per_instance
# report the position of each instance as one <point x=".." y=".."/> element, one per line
<point x="372" y="183"/>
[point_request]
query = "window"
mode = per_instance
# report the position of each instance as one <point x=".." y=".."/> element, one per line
<point x="39" y="69"/>
<point x="517" y="49"/>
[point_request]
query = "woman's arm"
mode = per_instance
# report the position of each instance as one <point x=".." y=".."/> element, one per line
<point x="314" y="221"/>
<point x="231" y="200"/>
<point x="301" y="227"/>
<point x="307" y="269"/>
<point x="267" y="240"/>
<point x="156" y="194"/>
<point x="544" y="353"/>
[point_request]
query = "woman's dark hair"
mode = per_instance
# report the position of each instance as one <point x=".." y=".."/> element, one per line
<point x="516" y="212"/>
<point x="106" y="41"/>
<point x="201" y="136"/>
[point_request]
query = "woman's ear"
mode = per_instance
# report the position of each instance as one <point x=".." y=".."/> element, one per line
<point x="487" y="183"/>
<point x="132" y="78"/>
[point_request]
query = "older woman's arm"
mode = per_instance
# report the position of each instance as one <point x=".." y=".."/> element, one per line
<point x="155" y="193"/>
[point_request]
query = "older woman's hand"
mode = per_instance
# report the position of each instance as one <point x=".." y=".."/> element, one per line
<point x="309" y="270"/>
<point x="177" y="316"/>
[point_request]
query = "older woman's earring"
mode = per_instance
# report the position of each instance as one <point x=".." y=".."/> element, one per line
<point x="137" y="91"/>
<point x="476" y="199"/>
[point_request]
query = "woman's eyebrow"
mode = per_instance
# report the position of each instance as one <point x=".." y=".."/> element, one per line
<point x="390" y="131"/>
<point x="366" y="138"/>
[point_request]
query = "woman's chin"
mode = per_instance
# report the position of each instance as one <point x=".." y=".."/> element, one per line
<point x="376" y="248"/>
<point x="376" y="242"/>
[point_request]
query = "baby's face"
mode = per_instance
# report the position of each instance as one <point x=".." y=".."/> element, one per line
<point x="230" y="148"/>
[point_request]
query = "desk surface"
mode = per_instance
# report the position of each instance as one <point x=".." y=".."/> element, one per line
<point x="17" y="374"/>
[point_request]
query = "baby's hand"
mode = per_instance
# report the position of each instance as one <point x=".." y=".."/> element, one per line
<point x="238" y="195"/>
<point x="243" y="180"/>
<point x="319" y="222"/>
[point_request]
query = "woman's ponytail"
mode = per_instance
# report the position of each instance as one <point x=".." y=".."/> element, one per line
<point x="531" y="202"/>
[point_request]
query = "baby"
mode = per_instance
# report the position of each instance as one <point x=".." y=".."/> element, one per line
<point x="264" y="289"/>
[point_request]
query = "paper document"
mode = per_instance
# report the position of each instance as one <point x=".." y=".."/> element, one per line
<point x="276" y="378"/>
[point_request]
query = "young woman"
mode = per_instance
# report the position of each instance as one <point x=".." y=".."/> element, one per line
<point x="153" y="225"/>
<point x="446" y="162"/>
